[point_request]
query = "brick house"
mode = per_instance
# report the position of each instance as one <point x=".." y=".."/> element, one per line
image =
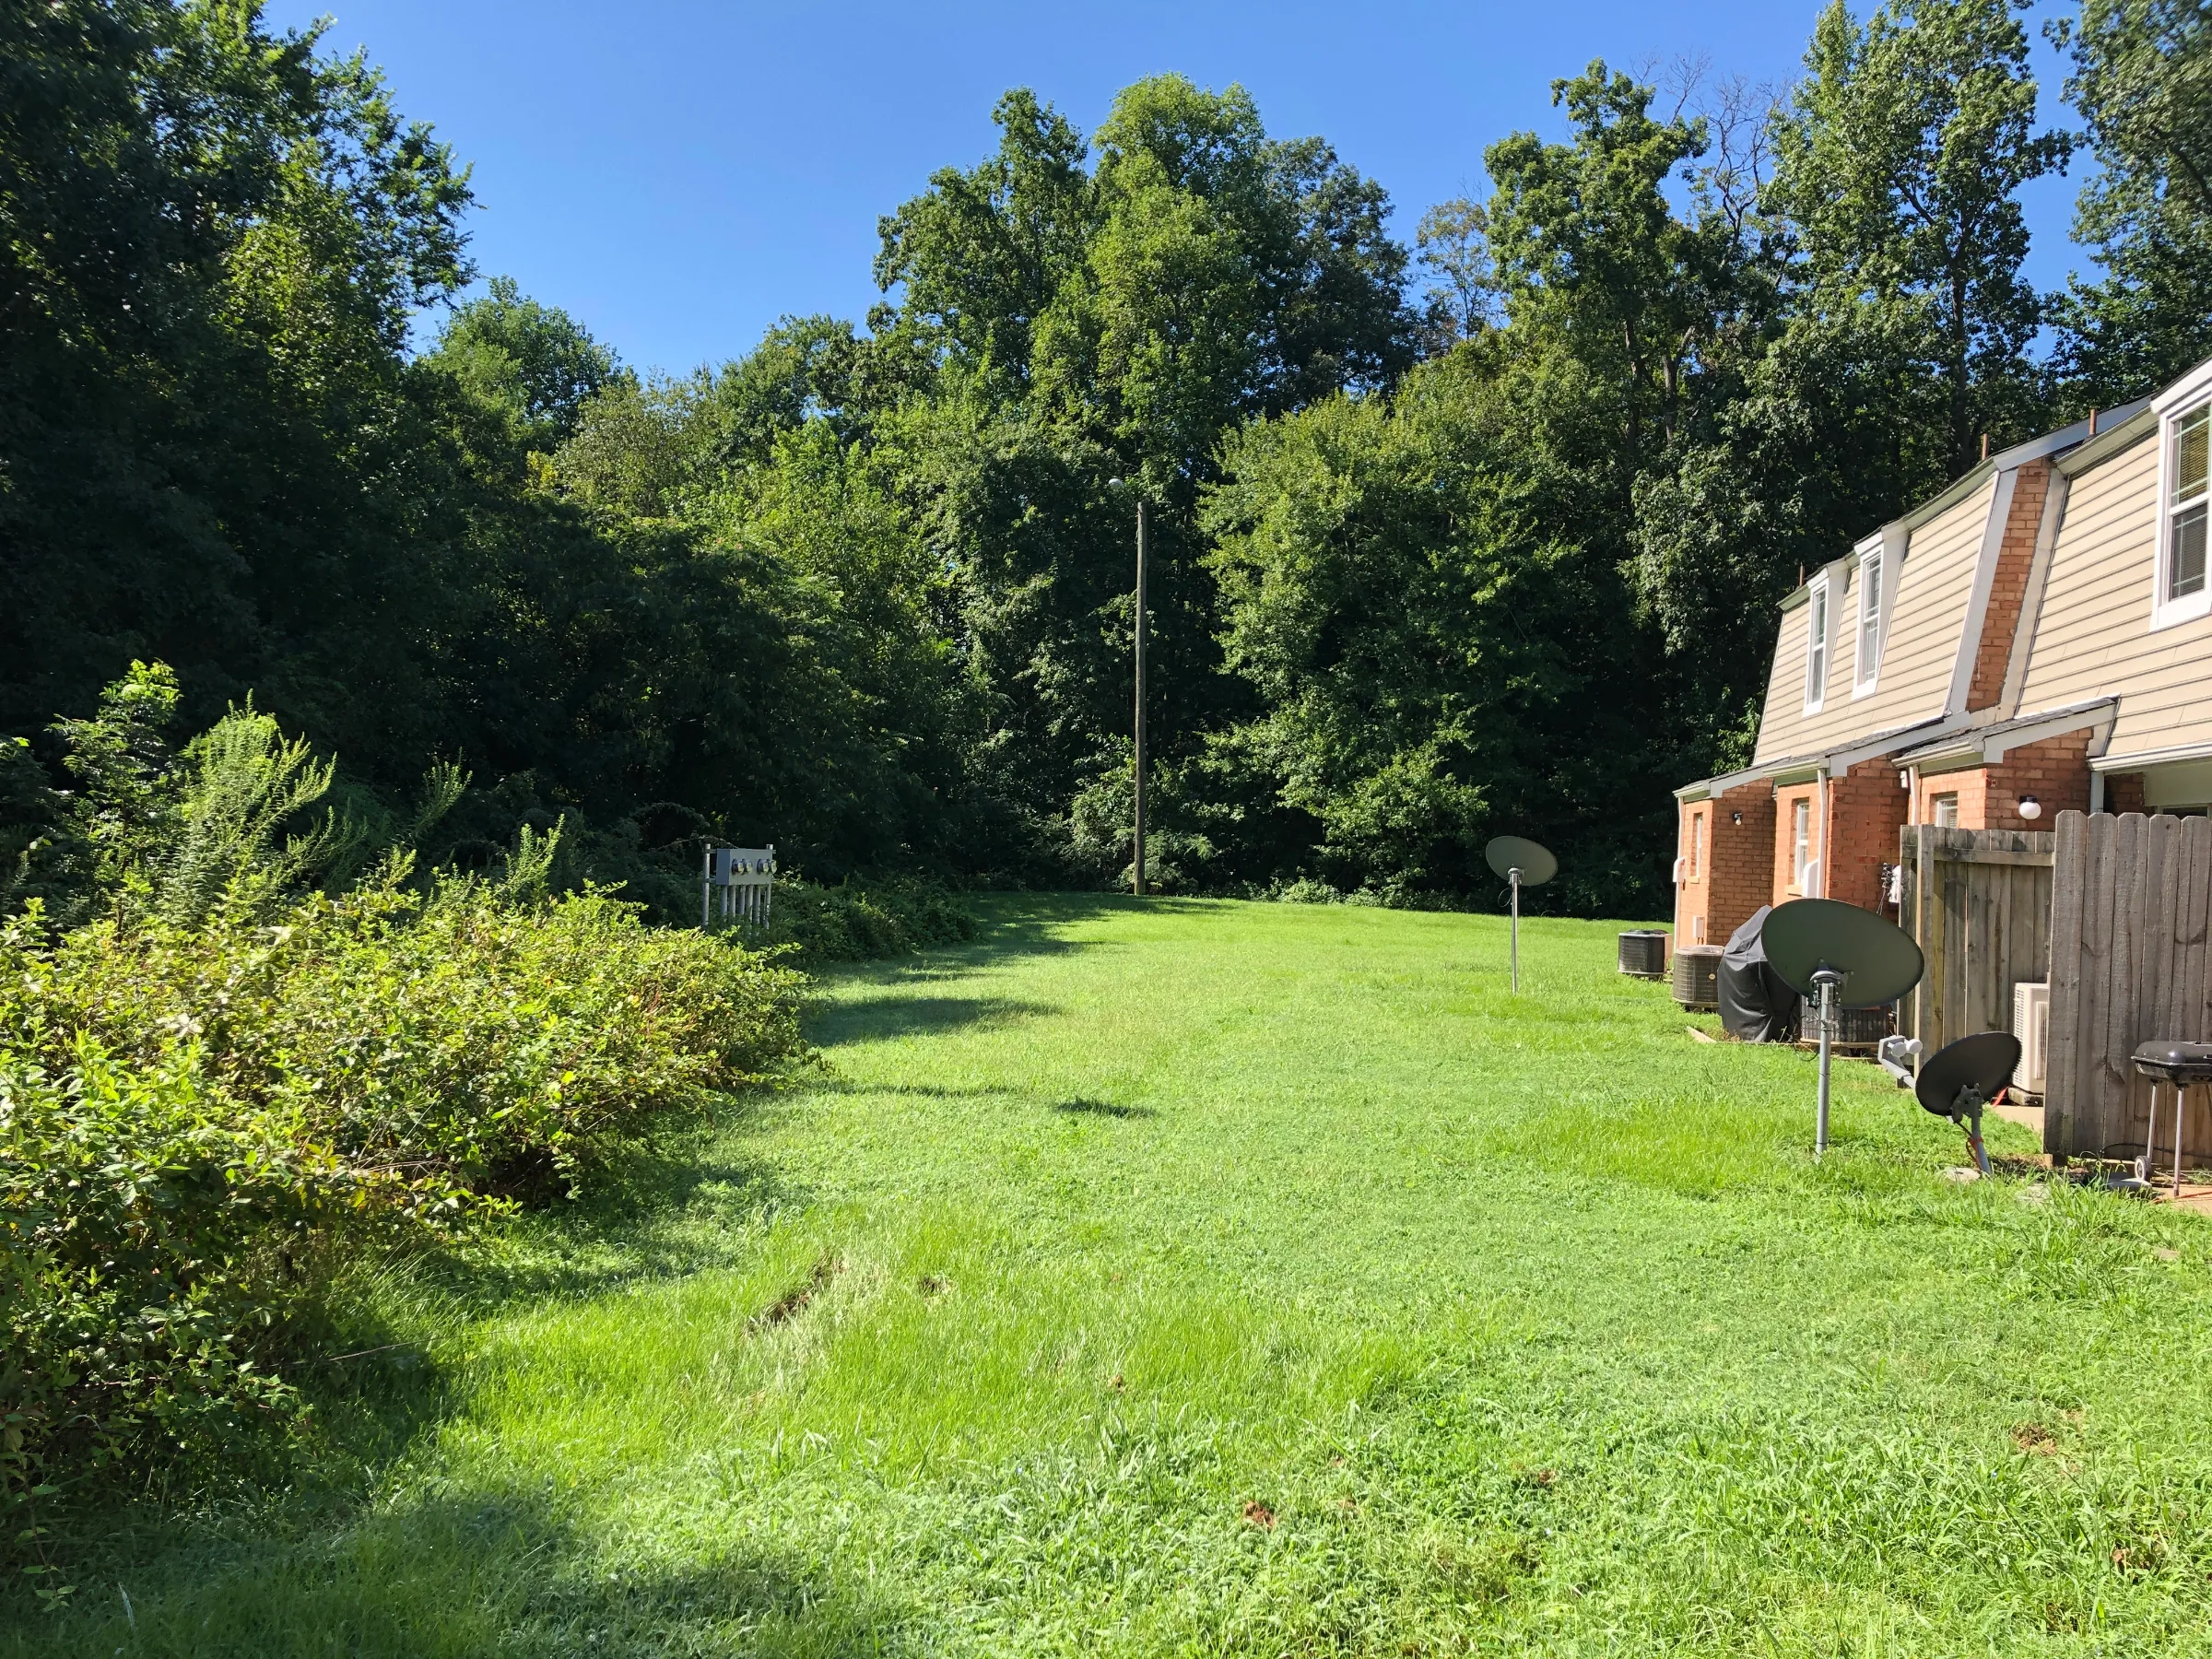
<point x="2037" y="637"/>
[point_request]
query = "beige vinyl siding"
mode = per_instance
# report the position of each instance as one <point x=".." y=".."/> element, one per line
<point x="1926" y="618"/>
<point x="2093" y="637"/>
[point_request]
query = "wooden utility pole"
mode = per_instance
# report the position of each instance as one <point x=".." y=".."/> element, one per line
<point x="1141" y="550"/>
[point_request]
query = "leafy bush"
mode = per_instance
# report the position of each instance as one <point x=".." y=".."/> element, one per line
<point x="192" y="1117"/>
<point x="858" y="920"/>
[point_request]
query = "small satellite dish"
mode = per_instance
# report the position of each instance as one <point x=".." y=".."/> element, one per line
<point x="1963" y="1076"/>
<point x="1508" y="853"/>
<point x="1878" y="962"/>
<point x="1523" y="864"/>
<point x="1843" y="957"/>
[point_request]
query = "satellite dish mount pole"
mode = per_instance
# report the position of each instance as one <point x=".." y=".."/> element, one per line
<point x="1973" y="1130"/>
<point x="1514" y="876"/>
<point x="1828" y="979"/>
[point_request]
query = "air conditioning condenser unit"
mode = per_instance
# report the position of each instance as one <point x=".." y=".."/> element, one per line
<point x="2031" y="1025"/>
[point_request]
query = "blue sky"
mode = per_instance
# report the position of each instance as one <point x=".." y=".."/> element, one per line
<point x="678" y="174"/>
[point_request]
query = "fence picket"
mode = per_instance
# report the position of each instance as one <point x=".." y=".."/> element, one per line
<point x="2069" y="877"/>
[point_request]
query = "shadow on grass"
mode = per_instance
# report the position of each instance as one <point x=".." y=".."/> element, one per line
<point x="926" y="1092"/>
<point x="1010" y="926"/>
<point x="1080" y="1107"/>
<point x="460" y="1573"/>
<point x="880" y="1018"/>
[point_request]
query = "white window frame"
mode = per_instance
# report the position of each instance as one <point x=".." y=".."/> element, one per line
<point x="1866" y="667"/>
<point x="1801" y="841"/>
<point x="1820" y="637"/>
<point x="1939" y="804"/>
<point x="2175" y="404"/>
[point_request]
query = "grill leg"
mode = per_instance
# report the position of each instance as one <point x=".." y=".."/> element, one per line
<point x="2181" y="1096"/>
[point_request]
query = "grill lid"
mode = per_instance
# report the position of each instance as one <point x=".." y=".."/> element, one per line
<point x="2176" y="1062"/>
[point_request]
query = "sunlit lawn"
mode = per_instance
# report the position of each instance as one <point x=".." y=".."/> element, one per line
<point x="1215" y="1277"/>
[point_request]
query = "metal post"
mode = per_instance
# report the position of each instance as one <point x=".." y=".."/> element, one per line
<point x="1826" y="979"/>
<point x="1514" y="877"/>
<point x="706" y="890"/>
<point x="1141" y="551"/>
<point x="2180" y="1099"/>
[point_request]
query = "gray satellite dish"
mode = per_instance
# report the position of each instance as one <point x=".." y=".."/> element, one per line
<point x="1523" y="864"/>
<point x="1963" y="1076"/>
<point x="1844" y="958"/>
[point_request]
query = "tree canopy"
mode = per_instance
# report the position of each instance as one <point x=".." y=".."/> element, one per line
<point x="1477" y="534"/>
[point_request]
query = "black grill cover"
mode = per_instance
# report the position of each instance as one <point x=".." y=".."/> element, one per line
<point x="1757" y="1005"/>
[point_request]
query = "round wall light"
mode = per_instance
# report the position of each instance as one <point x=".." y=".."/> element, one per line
<point x="2031" y="809"/>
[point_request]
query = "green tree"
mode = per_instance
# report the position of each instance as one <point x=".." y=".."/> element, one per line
<point x="1435" y="666"/>
<point x="1116" y="320"/>
<point x="1900" y="161"/>
<point x="534" y="360"/>
<point x="211" y="242"/>
<point x="2142" y="79"/>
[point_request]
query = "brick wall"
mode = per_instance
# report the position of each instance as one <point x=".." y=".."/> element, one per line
<point x="2055" y="771"/>
<point x="1865" y="808"/>
<point x="1966" y="785"/>
<point x="2008" y="589"/>
<point x="1734" y="875"/>
<point x="2124" y="791"/>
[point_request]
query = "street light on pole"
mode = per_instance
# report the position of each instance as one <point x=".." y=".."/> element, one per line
<point x="1142" y="550"/>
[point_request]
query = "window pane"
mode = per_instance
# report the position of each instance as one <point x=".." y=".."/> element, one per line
<point x="2188" y="553"/>
<point x="2190" y="444"/>
<point x="1815" y="662"/>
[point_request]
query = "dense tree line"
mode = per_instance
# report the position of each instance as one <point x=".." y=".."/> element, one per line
<point x="1478" y="536"/>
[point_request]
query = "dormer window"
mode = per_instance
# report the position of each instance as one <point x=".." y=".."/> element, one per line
<point x="1870" y="618"/>
<point x="2183" y="591"/>
<point x="1815" y="651"/>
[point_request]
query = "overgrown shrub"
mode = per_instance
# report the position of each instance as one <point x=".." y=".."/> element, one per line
<point x="192" y="1117"/>
<point x="858" y="920"/>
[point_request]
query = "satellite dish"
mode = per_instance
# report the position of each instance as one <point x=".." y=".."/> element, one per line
<point x="1964" y="1077"/>
<point x="1877" y="960"/>
<point x="1843" y="957"/>
<point x="1507" y="853"/>
<point x="1523" y="864"/>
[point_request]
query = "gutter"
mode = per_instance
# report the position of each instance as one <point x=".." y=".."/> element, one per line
<point x="2100" y="764"/>
<point x="1987" y="745"/>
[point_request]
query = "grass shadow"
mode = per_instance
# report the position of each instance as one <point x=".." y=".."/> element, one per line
<point x="882" y="1019"/>
<point x="924" y="1091"/>
<point x="1081" y="1107"/>
<point x="466" y="1573"/>
<point x="1009" y="926"/>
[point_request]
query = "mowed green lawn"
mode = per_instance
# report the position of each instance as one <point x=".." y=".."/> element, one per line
<point x="1228" y="1278"/>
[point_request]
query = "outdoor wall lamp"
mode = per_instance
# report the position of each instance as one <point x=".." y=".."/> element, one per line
<point x="1736" y="818"/>
<point x="2031" y="809"/>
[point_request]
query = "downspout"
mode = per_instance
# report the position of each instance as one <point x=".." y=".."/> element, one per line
<point x="1828" y="833"/>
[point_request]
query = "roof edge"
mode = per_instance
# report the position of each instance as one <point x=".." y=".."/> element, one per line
<point x="1990" y="743"/>
<point x="2140" y="422"/>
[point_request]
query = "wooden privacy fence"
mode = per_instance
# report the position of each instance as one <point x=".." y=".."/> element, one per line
<point x="2128" y="914"/>
<point x="1977" y="903"/>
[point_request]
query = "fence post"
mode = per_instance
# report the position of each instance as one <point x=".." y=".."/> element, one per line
<point x="2068" y="878"/>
